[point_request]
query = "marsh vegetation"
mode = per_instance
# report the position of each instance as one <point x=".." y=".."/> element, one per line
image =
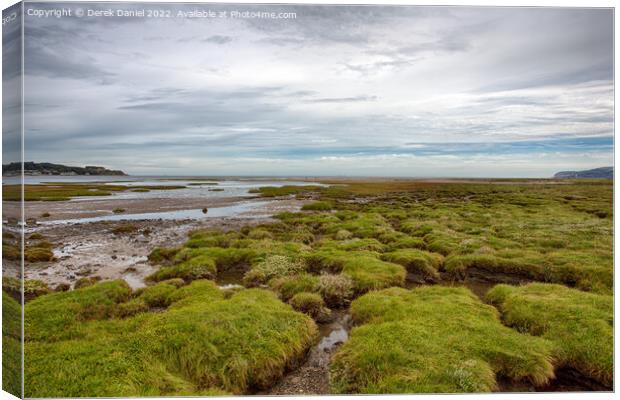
<point x="397" y="255"/>
<point x="65" y="190"/>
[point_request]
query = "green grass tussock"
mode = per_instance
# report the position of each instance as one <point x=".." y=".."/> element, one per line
<point x="200" y="267"/>
<point x="86" y="281"/>
<point x="336" y="290"/>
<point x="163" y="255"/>
<point x="38" y="254"/>
<point x="11" y="252"/>
<point x="62" y="315"/>
<point x="357" y="244"/>
<point x="433" y="340"/>
<point x="199" y="342"/>
<point x="364" y="268"/>
<point x="369" y="273"/>
<point x="32" y="288"/>
<point x="274" y="266"/>
<point x="290" y="285"/>
<point x="37" y="249"/>
<point x="418" y="262"/>
<point x="311" y="304"/>
<point x="157" y="296"/>
<point x="579" y="323"/>
<point x="365" y="225"/>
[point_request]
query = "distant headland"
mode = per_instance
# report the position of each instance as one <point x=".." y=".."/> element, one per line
<point x="596" y="173"/>
<point x="32" y="168"/>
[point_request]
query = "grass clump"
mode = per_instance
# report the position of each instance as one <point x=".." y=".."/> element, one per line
<point x="440" y="243"/>
<point x="433" y="340"/>
<point x="336" y="290"/>
<point x="369" y="273"/>
<point x="579" y="323"/>
<point x="206" y="238"/>
<point x="198" y="263"/>
<point x="405" y="242"/>
<point x="38" y="254"/>
<point x="32" y="288"/>
<point x="288" y="286"/>
<point x="272" y="267"/>
<point x="119" y="210"/>
<point x="364" y="268"/>
<point x="360" y="244"/>
<point x="311" y="304"/>
<point x="201" y="344"/>
<point x="459" y="266"/>
<point x="163" y="255"/>
<point x="200" y="267"/>
<point x="157" y="296"/>
<point x="61" y="315"/>
<point x="86" y="281"/>
<point x="11" y="252"/>
<point x="259" y="233"/>
<point x="366" y="225"/>
<point x="419" y="263"/>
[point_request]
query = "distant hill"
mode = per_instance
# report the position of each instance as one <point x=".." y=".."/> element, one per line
<point x="597" y="173"/>
<point x="32" y="168"/>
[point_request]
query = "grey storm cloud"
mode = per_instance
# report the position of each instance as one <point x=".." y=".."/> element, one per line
<point x="330" y="91"/>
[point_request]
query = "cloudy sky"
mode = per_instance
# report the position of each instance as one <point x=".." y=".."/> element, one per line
<point x="400" y="91"/>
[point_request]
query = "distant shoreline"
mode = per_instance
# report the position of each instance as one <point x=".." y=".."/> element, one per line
<point x="30" y="168"/>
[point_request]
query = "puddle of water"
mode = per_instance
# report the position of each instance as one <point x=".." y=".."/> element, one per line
<point x="332" y="334"/>
<point x="239" y="210"/>
<point x="229" y="286"/>
<point x="230" y="278"/>
<point x="193" y="188"/>
<point x="337" y="336"/>
<point x="134" y="281"/>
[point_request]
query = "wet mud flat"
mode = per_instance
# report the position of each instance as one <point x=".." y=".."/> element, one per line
<point x="88" y="208"/>
<point x="112" y="249"/>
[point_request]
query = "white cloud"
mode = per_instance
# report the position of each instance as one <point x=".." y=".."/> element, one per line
<point x="386" y="83"/>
